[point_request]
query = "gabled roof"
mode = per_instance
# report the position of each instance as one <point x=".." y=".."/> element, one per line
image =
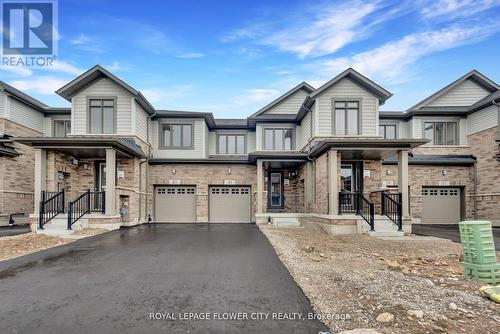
<point x="302" y="86"/>
<point x="486" y="102"/>
<point x="95" y="73"/>
<point x="23" y="97"/>
<point x="473" y="75"/>
<point x="361" y="80"/>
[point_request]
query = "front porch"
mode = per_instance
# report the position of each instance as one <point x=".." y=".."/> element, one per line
<point x="337" y="185"/>
<point x="87" y="183"/>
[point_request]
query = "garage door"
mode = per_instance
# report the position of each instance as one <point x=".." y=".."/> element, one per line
<point x="175" y="204"/>
<point x="229" y="204"/>
<point x="441" y="205"/>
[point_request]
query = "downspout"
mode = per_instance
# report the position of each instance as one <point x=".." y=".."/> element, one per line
<point x="147" y="164"/>
<point x="475" y="190"/>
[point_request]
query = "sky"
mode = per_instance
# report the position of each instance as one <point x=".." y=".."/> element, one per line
<point x="233" y="57"/>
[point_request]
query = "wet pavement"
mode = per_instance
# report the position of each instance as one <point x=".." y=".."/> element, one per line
<point x="112" y="283"/>
<point x="6" y="231"/>
<point x="449" y="232"/>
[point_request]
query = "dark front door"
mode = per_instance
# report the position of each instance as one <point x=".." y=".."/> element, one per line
<point x="351" y="175"/>
<point x="275" y="189"/>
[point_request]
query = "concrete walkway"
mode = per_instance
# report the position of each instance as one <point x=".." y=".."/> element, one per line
<point x="111" y="283"/>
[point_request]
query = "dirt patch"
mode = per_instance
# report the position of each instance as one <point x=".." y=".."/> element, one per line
<point x="17" y="245"/>
<point x="358" y="277"/>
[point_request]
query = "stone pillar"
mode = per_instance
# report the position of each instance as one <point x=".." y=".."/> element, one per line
<point x="308" y="186"/>
<point x="260" y="186"/>
<point x="110" y="182"/>
<point x="403" y="181"/>
<point x="40" y="176"/>
<point x="333" y="179"/>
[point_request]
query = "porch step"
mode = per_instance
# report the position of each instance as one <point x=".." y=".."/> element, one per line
<point x="384" y="227"/>
<point x="57" y="226"/>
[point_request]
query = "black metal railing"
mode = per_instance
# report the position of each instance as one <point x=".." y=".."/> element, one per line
<point x="348" y="202"/>
<point x="356" y="203"/>
<point x="366" y="210"/>
<point x="51" y="205"/>
<point x="89" y="201"/>
<point x="391" y="204"/>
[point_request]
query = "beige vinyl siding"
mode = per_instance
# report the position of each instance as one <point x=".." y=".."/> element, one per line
<point x="304" y="131"/>
<point x="24" y="115"/>
<point x="251" y="144"/>
<point x="212" y="142"/>
<point x="290" y="105"/>
<point x="3" y="97"/>
<point x="103" y="88"/>
<point x="141" y="122"/>
<point x="345" y="89"/>
<point x="483" y="119"/>
<point x="199" y="147"/>
<point x="47" y="127"/>
<point x="465" y="94"/>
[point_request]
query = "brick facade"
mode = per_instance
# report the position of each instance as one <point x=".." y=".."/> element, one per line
<point x="17" y="181"/>
<point x="202" y="175"/>
<point x="483" y="146"/>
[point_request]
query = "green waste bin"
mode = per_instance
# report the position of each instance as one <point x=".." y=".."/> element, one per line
<point x="479" y="254"/>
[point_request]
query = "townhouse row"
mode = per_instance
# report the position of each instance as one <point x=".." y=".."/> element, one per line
<point x="327" y="155"/>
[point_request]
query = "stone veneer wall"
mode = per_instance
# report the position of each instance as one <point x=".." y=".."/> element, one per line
<point x="483" y="146"/>
<point x="17" y="181"/>
<point x="372" y="185"/>
<point x="202" y="175"/>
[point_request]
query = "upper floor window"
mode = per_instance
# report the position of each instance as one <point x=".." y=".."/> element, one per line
<point x="231" y="144"/>
<point x="346" y="117"/>
<point x="176" y="136"/>
<point x="278" y="139"/>
<point x="441" y="133"/>
<point x="101" y="116"/>
<point x="387" y="131"/>
<point x="62" y="128"/>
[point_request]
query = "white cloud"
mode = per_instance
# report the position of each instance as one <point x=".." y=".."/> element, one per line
<point x="256" y="95"/>
<point x="81" y="39"/>
<point x="117" y="66"/>
<point x="19" y="71"/>
<point x="45" y="85"/>
<point x="390" y="60"/>
<point x="62" y="67"/>
<point x="190" y="55"/>
<point x="168" y="94"/>
<point x="451" y="9"/>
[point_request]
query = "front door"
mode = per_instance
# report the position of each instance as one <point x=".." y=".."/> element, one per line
<point x="351" y="177"/>
<point x="100" y="176"/>
<point x="275" y="189"/>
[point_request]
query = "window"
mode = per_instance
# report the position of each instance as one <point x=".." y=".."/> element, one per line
<point x="346" y="117"/>
<point x="101" y="116"/>
<point x="231" y="144"/>
<point x="62" y="128"/>
<point x="278" y="139"/>
<point x="387" y="131"/>
<point x="176" y="136"/>
<point x="441" y="133"/>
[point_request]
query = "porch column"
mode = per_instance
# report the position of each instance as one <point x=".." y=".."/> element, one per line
<point x="308" y="186"/>
<point x="403" y="181"/>
<point x="333" y="189"/>
<point x="260" y="186"/>
<point x="110" y="182"/>
<point x="40" y="176"/>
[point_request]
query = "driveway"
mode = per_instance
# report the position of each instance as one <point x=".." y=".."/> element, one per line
<point x="112" y="282"/>
<point x="449" y="232"/>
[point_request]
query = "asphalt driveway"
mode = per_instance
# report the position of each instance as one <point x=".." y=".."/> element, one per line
<point x="113" y="282"/>
<point x="449" y="232"/>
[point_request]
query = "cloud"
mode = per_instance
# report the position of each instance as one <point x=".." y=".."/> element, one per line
<point x="390" y="60"/>
<point x="45" y="85"/>
<point x="168" y="94"/>
<point x="62" y="67"/>
<point x="18" y="71"/>
<point x="81" y="39"/>
<point x="321" y="29"/>
<point x="452" y="9"/>
<point x="256" y="95"/>
<point x="190" y="55"/>
<point x="117" y="66"/>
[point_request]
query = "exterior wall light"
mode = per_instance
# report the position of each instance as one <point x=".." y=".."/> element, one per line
<point x="229" y="171"/>
<point x="174" y="171"/>
<point x="444" y="172"/>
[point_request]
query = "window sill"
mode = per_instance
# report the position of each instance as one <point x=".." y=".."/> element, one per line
<point x="175" y="148"/>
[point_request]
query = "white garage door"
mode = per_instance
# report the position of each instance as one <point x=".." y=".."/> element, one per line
<point x="441" y="205"/>
<point x="229" y="204"/>
<point x="175" y="204"/>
